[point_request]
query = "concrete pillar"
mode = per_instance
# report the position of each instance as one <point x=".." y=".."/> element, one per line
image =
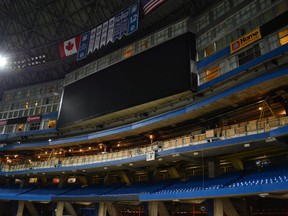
<point x="69" y="208"/>
<point x="237" y="164"/>
<point x="213" y="167"/>
<point x="59" y="208"/>
<point x="102" y="209"/>
<point x="83" y="180"/>
<point x="162" y="209"/>
<point x="153" y="208"/>
<point x="125" y="178"/>
<point x="173" y="172"/>
<point x="31" y="208"/>
<point x="229" y="208"/>
<point x="218" y="207"/>
<point x="20" y="208"/>
<point x="111" y="209"/>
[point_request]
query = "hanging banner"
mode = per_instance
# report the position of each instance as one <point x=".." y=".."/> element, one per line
<point x="122" y="24"/>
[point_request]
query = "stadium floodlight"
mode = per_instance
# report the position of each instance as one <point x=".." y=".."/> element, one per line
<point x="3" y="61"/>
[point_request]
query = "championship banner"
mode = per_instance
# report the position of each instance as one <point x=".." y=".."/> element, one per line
<point x="246" y="40"/>
<point x="122" y="24"/>
<point x="84" y="44"/>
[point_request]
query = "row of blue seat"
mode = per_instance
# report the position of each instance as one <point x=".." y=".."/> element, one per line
<point x="228" y="180"/>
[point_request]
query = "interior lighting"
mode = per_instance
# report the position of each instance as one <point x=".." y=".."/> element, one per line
<point x="260" y="108"/>
<point x="3" y="61"/>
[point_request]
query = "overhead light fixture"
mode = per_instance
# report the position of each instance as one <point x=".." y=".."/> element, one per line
<point x="247" y="145"/>
<point x="3" y="61"/>
<point x="263" y="195"/>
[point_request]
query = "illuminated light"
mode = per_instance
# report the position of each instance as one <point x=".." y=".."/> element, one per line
<point x="80" y="150"/>
<point x="39" y="156"/>
<point x="3" y="61"/>
<point x="151" y="136"/>
<point x="46" y="152"/>
<point x="118" y="145"/>
<point x="70" y="150"/>
<point x="260" y="108"/>
<point x="196" y="153"/>
<point x="247" y="145"/>
<point x="131" y="164"/>
<point x="89" y="148"/>
<point x="7" y="158"/>
<point x="15" y="156"/>
<point x="105" y="168"/>
<point x="49" y="140"/>
<point x="60" y="152"/>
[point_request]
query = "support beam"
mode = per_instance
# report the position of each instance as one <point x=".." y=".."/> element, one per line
<point x="59" y="209"/>
<point x="20" y="208"/>
<point x="106" y="178"/>
<point x="111" y="209"/>
<point x="125" y="178"/>
<point x="69" y="208"/>
<point x="153" y="208"/>
<point x="218" y="207"/>
<point x="229" y="208"/>
<point x="162" y="209"/>
<point x="31" y="208"/>
<point x="102" y="209"/>
<point x="237" y="164"/>
<point x="62" y="181"/>
<point x="83" y="180"/>
<point x="173" y="172"/>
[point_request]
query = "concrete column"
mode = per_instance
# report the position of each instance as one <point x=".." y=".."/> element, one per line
<point x="69" y="208"/>
<point x="111" y="209"/>
<point x="20" y="208"/>
<point x="173" y="172"/>
<point x="31" y="208"/>
<point x="218" y="207"/>
<point x="102" y="209"/>
<point x="162" y="209"/>
<point x="59" y="208"/>
<point x="153" y="208"/>
<point x="229" y="208"/>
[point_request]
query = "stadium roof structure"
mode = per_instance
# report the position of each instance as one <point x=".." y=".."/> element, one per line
<point x="31" y="30"/>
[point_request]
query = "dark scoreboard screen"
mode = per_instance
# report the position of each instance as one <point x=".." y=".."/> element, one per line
<point x="159" y="72"/>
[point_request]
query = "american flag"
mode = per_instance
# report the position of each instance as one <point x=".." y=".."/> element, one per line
<point x="149" y="5"/>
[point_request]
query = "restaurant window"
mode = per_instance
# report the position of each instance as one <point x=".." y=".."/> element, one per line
<point x="212" y="73"/>
<point x="51" y="124"/>
<point x="20" y="127"/>
<point x="249" y="54"/>
<point x="210" y="49"/>
<point x="128" y="52"/>
<point x="283" y="36"/>
<point x="34" y="125"/>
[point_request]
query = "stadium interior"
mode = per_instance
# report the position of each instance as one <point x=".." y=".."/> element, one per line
<point x="151" y="107"/>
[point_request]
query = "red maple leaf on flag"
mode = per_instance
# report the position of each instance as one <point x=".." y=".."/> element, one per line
<point x="69" y="46"/>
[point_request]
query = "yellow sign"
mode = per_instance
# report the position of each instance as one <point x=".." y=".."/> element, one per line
<point x="245" y="40"/>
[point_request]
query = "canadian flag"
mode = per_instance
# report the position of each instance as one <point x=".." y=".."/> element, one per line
<point x="69" y="47"/>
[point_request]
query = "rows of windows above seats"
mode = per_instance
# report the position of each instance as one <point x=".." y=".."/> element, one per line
<point x="32" y="100"/>
<point x="233" y="23"/>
